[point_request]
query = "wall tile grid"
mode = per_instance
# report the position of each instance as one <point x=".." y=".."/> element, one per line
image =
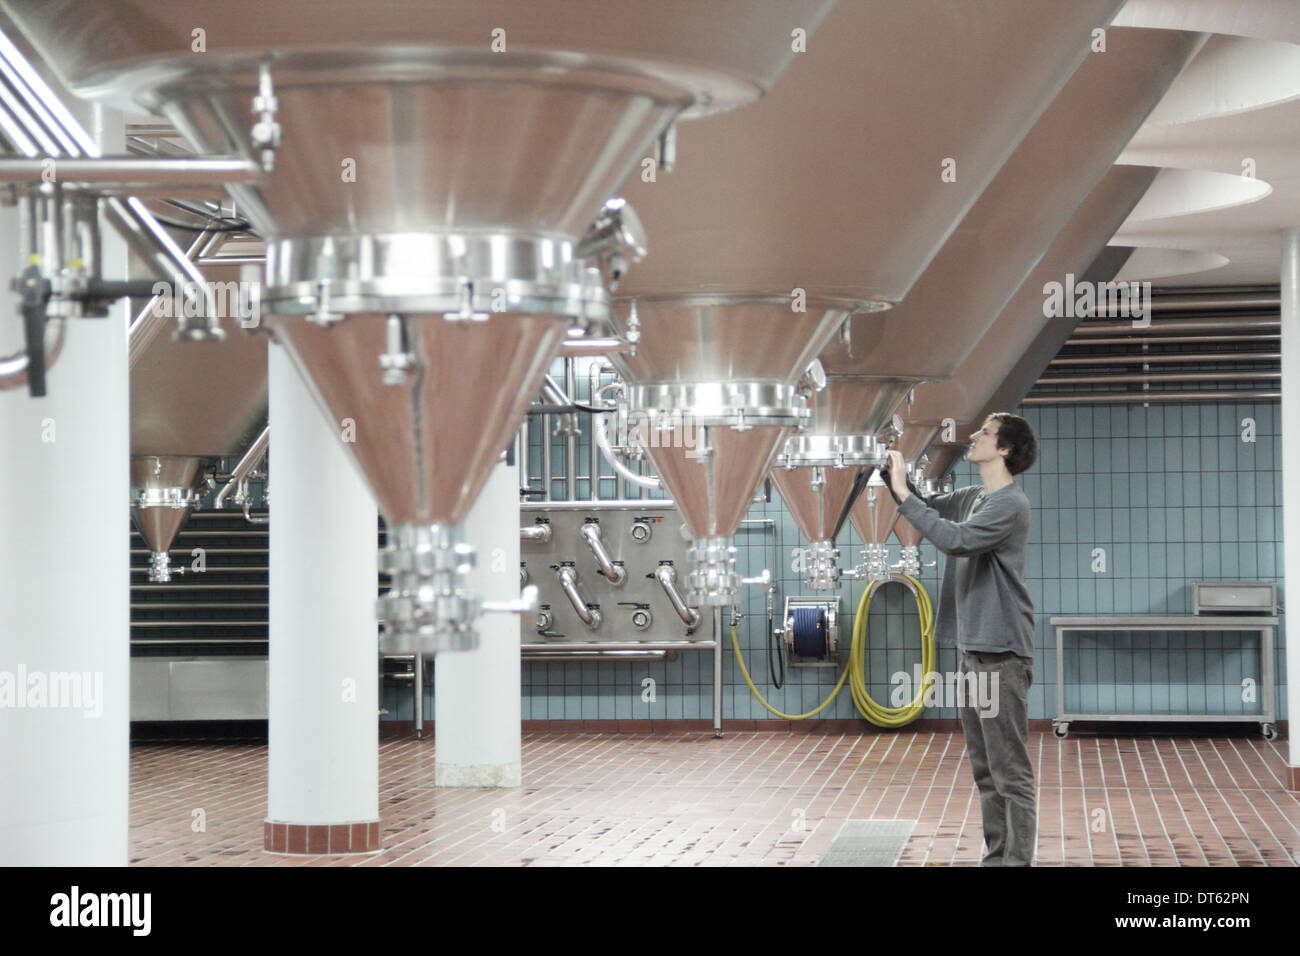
<point x="1171" y="493"/>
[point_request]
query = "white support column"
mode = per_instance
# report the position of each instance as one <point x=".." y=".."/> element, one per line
<point x="477" y="693"/>
<point x="323" y="766"/>
<point x="1291" y="482"/>
<point x="65" y="583"/>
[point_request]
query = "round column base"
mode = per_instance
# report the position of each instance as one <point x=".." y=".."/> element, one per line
<point x="321" y="839"/>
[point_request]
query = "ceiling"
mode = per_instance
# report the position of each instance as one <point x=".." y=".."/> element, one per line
<point x="1235" y="112"/>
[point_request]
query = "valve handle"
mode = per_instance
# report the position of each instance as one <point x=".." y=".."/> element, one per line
<point x="35" y="293"/>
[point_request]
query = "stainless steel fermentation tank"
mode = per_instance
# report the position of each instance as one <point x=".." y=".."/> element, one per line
<point x="953" y="307"/>
<point x="431" y="174"/>
<point x="715" y="388"/>
<point x="824" y="204"/>
<point x="191" y="403"/>
<point x="1043" y="217"/>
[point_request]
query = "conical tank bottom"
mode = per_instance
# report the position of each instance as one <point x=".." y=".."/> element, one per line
<point x="814" y="511"/>
<point x="159" y="525"/>
<point x="160" y="491"/>
<point x="702" y="338"/>
<point x="907" y="535"/>
<point x="428" y="442"/>
<point x="873" y="520"/>
<point x="855" y="404"/>
<point x="713" y="491"/>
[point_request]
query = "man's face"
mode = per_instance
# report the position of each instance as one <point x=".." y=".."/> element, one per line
<point x="984" y="443"/>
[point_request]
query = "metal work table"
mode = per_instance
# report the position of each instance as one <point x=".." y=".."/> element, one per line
<point x="1261" y="623"/>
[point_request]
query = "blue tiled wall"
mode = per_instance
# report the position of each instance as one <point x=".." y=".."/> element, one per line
<point x="1171" y="493"/>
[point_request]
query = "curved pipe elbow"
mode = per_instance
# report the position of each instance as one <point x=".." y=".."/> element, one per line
<point x="569" y="584"/>
<point x="666" y="575"/>
<point x="602" y="441"/>
<point x="613" y="573"/>
<point x="537" y="532"/>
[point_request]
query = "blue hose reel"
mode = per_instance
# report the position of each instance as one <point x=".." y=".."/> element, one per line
<point x="809" y="627"/>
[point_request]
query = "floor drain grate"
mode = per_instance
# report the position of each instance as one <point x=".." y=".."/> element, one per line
<point x="868" y="843"/>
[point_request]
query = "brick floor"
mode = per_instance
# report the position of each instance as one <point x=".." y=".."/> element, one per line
<point x="748" y="799"/>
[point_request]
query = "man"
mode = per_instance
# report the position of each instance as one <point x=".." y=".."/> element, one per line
<point x="985" y="610"/>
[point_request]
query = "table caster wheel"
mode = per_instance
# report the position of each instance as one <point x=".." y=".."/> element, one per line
<point x="1062" y="730"/>
<point x="1269" y="731"/>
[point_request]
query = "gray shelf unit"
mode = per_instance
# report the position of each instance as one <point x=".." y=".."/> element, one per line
<point x="1264" y="625"/>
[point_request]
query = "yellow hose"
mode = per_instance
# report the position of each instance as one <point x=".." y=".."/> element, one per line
<point x="892" y="716"/>
<point x="880" y="716"/>
<point x="812" y="713"/>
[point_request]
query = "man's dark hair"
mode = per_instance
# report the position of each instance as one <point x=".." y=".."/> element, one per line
<point x="1015" y="433"/>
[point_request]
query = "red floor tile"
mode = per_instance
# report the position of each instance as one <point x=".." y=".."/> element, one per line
<point x="751" y="798"/>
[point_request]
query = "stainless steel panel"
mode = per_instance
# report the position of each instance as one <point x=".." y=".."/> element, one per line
<point x="150" y="691"/>
<point x="666" y="543"/>
<point x="219" y="688"/>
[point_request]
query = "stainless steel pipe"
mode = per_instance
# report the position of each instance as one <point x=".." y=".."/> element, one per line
<point x="1233" y="375"/>
<point x="245" y="465"/>
<point x="666" y="575"/>
<point x="615" y="574"/>
<point x="594" y="346"/>
<point x="1142" y="398"/>
<point x="608" y="505"/>
<point x="131" y="173"/>
<point x="625" y="645"/>
<point x="537" y="532"/>
<point x="166" y="260"/>
<point x="1220" y="323"/>
<point x="570" y="442"/>
<point x="717" y="672"/>
<point x="594" y="657"/>
<point x="1164" y="359"/>
<point x="591" y="617"/>
<point x="418" y="691"/>
<point x="148" y="323"/>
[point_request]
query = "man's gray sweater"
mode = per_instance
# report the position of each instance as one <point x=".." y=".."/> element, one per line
<point x="984" y="604"/>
